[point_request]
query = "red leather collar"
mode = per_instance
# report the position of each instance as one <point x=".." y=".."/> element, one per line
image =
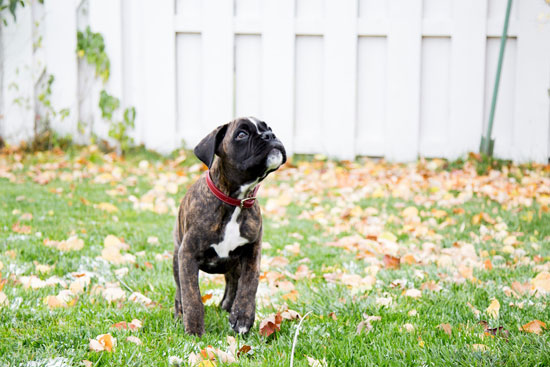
<point x="244" y="203"/>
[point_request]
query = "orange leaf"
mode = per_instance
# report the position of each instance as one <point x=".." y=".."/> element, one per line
<point x="487" y="264"/>
<point x="391" y="262"/>
<point x="206" y="297"/>
<point x="244" y="349"/>
<point x="534" y="326"/>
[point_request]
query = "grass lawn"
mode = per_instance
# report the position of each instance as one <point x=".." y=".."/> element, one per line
<point x="455" y="264"/>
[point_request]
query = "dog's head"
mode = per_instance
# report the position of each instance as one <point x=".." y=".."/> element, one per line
<point x="245" y="145"/>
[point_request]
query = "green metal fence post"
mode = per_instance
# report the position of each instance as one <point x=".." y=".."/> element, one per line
<point x="487" y="144"/>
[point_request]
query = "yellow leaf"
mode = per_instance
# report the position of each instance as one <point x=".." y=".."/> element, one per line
<point x="541" y="282"/>
<point x="410" y="212"/>
<point x="493" y="308"/>
<point x="108" y="207"/>
<point x="388" y="236"/>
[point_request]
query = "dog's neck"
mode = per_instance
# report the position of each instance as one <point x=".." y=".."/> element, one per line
<point x="228" y="180"/>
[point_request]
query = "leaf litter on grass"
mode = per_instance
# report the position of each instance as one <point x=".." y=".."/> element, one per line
<point x="408" y="233"/>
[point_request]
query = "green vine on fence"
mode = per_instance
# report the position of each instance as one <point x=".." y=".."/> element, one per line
<point x="91" y="45"/>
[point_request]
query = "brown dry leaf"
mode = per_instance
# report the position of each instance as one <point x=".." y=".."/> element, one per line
<point x="534" y="326"/>
<point x="447" y="328"/>
<point x="494" y="308"/>
<point x="408" y="259"/>
<point x="114" y="293"/>
<point x="270" y="324"/>
<point x="391" y="262"/>
<point x="107" y="207"/>
<point x="243" y="350"/>
<point x="135" y="324"/>
<point x="365" y="326"/>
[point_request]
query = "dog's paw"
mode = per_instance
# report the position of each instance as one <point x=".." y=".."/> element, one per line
<point x="240" y="322"/>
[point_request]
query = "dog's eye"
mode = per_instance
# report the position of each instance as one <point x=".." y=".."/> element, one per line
<point x="242" y="135"/>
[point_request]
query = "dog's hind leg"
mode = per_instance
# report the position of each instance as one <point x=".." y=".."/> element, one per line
<point x="177" y="303"/>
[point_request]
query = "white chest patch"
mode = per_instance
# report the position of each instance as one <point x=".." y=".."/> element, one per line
<point x="231" y="237"/>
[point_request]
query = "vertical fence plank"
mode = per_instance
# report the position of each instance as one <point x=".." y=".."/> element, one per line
<point x="404" y="46"/>
<point x="467" y="76"/>
<point x="105" y="18"/>
<point x="371" y="95"/>
<point x="61" y="62"/>
<point x="18" y="85"/>
<point x="340" y="78"/>
<point x="159" y="110"/>
<point x="133" y="86"/>
<point x="217" y="57"/>
<point x="434" y="101"/>
<point x="278" y="38"/>
<point x="532" y="100"/>
<point x="248" y="75"/>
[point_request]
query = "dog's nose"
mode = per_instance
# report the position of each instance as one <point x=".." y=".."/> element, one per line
<point x="268" y="135"/>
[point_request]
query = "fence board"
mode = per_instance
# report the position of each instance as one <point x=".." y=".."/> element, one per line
<point x="371" y="95"/>
<point x="467" y="76"/>
<point x="308" y="119"/>
<point x="340" y="87"/>
<point x="531" y="119"/>
<point x="404" y="43"/>
<point x="277" y="104"/>
<point x="248" y="75"/>
<point x="18" y="85"/>
<point x="217" y="58"/>
<point x="434" y="103"/>
<point x="159" y="43"/>
<point x="189" y="88"/>
<point x="61" y="62"/>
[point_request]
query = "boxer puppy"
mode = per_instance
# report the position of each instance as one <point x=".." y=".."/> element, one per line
<point x="219" y="225"/>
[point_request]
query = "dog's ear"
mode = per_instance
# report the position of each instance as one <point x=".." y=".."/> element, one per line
<point x="208" y="146"/>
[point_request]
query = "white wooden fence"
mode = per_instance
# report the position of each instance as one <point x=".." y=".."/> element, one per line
<point x="392" y="78"/>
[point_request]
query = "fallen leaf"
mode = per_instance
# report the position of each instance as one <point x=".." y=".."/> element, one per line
<point x="534" y="326"/>
<point x="316" y="363"/>
<point x="270" y="324"/>
<point x="447" y="328"/>
<point x="243" y="350"/>
<point x="474" y="310"/>
<point x="4" y="299"/>
<point x="391" y="262"/>
<point x="408" y="327"/>
<point x="494" y="308"/>
<point x="103" y="342"/>
<point x="413" y="293"/>
<point x="21" y="229"/>
<point x="479" y="347"/>
<point x="541" y="283"/>
<point x="108" y="207"/>
<point x="140" y="298"/>
<point x="206" y="297"/>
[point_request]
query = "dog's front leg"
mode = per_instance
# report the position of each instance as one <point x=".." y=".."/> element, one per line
<point x="243" y="310"/>
<point x="192" y="307"/>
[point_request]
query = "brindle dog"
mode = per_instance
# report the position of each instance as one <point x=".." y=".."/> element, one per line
<point x="216" y="237"/>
